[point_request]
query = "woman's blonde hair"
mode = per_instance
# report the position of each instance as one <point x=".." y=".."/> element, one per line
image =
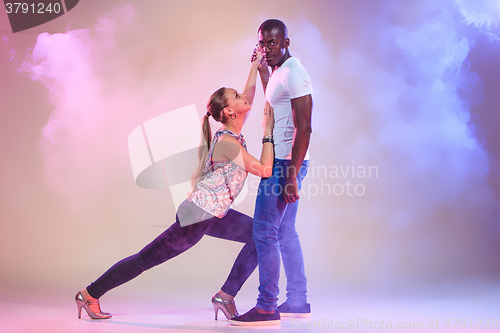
<point x="215" y="105"/>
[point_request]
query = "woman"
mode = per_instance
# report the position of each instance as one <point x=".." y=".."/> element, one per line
<point x="225" y="166"/>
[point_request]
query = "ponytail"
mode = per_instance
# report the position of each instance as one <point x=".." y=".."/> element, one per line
<point x="203" y="150"/>
<point x="215" y="105"/>
<point x="207" y="131"/>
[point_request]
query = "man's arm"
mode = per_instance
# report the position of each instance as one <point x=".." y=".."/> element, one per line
<point x="301" y="111"/>
<point x="264" y="74"/>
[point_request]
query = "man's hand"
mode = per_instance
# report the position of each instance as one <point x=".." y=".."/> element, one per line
<point x="291" y="190"/>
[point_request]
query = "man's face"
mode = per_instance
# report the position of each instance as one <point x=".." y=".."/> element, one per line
<point x="273" y="46"/>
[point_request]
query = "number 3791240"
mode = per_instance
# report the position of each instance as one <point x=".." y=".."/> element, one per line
<point x="32" y="8"/>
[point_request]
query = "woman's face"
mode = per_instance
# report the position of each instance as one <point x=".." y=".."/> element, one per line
<point x="237" y="102"/>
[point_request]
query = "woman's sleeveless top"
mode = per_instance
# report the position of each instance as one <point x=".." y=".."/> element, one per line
<point x="220" y="182"/>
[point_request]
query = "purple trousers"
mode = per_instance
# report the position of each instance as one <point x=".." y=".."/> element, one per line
<point x="234" y="226"/>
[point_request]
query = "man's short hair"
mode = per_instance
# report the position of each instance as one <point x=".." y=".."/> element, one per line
<point x="272" y="24"/>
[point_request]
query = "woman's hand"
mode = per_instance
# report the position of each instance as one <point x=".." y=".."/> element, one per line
<point x="258" y="57"/>
<point x="259" y="65"/>
<point x="268" y="121"/>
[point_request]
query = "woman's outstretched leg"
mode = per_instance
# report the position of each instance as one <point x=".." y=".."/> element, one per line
<point x="169" y="244"/>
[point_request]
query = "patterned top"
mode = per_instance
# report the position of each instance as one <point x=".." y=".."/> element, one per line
<point x="220" y="182"/>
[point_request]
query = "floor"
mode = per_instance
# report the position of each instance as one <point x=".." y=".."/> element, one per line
<point x="438" y="309"/>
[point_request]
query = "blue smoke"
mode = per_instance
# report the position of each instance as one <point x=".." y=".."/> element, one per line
<point x="394" y="90"/>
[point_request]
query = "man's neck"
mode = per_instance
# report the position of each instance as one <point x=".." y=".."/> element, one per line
<point x="282" y="61"/>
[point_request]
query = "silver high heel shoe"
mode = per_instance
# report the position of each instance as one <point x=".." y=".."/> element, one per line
<point x="83" y="303"/>
<point x="219" y="303"/>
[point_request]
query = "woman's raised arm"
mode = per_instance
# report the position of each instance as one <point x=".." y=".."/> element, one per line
<point x="228" y="148"/>
<point x="249" y="90"/>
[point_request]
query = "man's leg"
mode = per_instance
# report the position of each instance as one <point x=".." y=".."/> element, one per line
<point x="293" y="260"/>
<point x="269" y="210"/>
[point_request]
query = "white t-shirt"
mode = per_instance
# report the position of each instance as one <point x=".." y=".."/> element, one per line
<point x="286" y="83"/>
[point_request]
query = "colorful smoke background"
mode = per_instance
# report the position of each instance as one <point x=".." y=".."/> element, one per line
<point x="410" y="87"/>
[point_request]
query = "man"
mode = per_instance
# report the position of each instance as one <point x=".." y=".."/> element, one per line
<point x="288" y="90"/>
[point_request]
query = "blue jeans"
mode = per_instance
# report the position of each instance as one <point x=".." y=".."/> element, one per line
<point x="274" y="234"/>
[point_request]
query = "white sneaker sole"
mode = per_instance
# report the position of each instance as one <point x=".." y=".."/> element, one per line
<point x="296" y="315"/>
<point x="255" y="323"/>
